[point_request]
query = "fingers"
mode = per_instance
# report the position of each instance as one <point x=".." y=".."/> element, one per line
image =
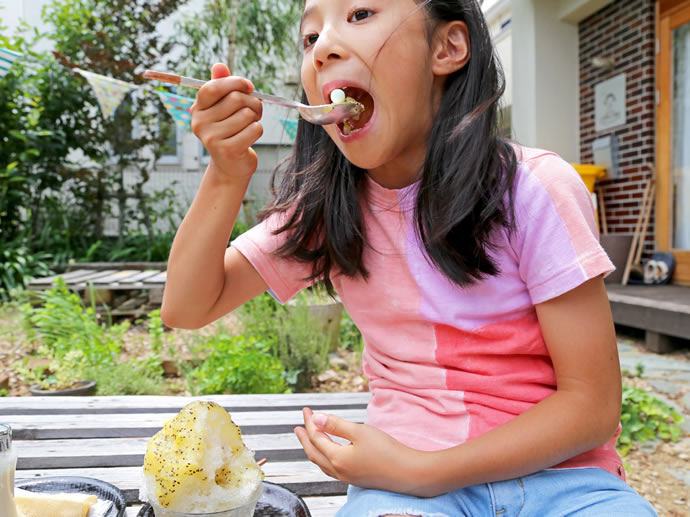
<point x="220" y="70"/>
<point x="336" y="426"/>
<point x="226" y="117"/>
<point x="215" y="89"/>
<point x="314" y="455"/>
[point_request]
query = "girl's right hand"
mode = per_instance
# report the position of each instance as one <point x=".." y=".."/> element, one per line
<point x="226" y="120"/>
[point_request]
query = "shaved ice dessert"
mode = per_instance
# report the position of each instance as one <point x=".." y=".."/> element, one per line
<point x="198" y="464"/>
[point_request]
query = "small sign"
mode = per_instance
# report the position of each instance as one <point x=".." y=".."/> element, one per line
<point x="610" y="103"/>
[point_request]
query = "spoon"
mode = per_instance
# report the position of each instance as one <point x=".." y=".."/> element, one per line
<point x="321" y="115"/>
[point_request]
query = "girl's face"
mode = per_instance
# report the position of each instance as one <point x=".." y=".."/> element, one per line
<point x="378" y="52"/>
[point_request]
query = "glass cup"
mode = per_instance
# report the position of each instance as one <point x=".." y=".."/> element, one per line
<point x="246" y="510"/>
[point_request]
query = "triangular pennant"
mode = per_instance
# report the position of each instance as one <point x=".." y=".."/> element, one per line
<point x="178" y="107"/>
<point x="290" y="127"/>
<point x="109" y="92"/>
<point x="7" y="57"/>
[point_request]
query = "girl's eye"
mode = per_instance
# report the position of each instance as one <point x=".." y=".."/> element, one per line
<point x="360" y="14"/>
<point x="310" y="39"/>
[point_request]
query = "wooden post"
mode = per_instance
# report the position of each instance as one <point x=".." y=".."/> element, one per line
<point x="636" y="234"/>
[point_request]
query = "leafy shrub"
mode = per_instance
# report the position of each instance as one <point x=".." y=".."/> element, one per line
<point x="80" y="347"/>
<point x="62" y="324"/>
<point x="237" y="364"/>
<point x="294" y="335"/>
<point x="350" y="336"/>
<point x="18" y="265"/>
<point x="131" y="378"/>
<point x="645" y="417"/>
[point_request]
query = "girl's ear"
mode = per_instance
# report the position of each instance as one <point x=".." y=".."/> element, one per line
<point x="451" y="49"/>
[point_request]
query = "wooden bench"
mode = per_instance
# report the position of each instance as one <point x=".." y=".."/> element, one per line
<point x="105" y="438"/>
<point x="661" y="311"/>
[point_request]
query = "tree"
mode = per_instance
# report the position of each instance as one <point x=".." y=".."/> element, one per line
<point x="254" y="38"/>
<point x="118" y="39"/>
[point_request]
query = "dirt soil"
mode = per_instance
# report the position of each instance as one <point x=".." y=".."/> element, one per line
<point x="660" y="472"/>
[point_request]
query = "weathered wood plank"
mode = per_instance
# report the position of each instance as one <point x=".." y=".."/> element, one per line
<point x="142" y="275"/>
<point x="302" y="477"/>
<point x="117" y="277"/>
<point x="168" y="404"/>
<point x="160" y="278"/>
<point x="48" y="280"/>
<point x="33" y="427"/>
<point x="129" y="452"/>
<point x="95" y="275"/>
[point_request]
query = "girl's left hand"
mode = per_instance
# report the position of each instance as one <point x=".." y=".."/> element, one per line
<point x="372" y="459"/>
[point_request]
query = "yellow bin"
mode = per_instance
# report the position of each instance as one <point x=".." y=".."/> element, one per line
<point x="590" y="173"/>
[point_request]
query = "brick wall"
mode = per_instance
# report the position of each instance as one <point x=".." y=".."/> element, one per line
<point x="625" y="30"/>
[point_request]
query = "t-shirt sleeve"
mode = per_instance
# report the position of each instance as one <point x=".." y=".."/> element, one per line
<point x="284" y="276"/>
<point x="556" y="238"/>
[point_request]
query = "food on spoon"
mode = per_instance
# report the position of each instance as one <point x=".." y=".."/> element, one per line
<point x="198" y="463"/>
<point x="338" y="96"/>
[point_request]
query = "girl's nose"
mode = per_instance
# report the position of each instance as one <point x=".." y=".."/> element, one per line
<point x="327" y="49"/>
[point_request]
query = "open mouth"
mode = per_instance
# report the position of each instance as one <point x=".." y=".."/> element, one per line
<point x="355" y="123"/>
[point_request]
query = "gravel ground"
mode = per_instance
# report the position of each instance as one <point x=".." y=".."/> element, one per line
<point x="660" y="472"/>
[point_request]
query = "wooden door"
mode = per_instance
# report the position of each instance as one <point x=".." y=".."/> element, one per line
<point x="673" y="134"/>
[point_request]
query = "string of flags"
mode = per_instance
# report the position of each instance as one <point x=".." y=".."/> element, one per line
<point x="110" y="93"/>
<point x="7" y="57"/>
<point x="178" y="107"/>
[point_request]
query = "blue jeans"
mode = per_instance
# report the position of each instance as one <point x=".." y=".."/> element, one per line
<point x="579" y="492"/>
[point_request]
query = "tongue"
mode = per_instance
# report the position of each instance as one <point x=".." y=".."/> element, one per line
<point x="359" y="121"/>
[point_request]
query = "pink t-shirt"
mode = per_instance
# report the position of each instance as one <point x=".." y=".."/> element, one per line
<point x="447" y="364"/>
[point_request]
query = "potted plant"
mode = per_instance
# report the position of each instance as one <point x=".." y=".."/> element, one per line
<point x="63" y="376"/>
<point x="325" y="311"/>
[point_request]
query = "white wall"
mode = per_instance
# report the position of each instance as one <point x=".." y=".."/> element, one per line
<point x="545" y="78"/>
<point x="499" y="19"/>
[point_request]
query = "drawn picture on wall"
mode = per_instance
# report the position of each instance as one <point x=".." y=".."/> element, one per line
<point x="610" y="103"/>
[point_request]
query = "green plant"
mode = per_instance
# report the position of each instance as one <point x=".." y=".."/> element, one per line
<point x="18" y="265"/>
<point x="350" y="336"/>
<point x="237" y="364"/>
<point x="80" y="347"/>
<point x="61" y="323"/>
<point x="645" y="417"/>
<point x="131" y="378"/>
<point x="294" y="335"/>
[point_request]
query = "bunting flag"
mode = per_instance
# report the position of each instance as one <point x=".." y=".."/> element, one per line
<point x="290" y="127"/>
<point x="109" y="92"/>
<point x="7" y="57"/>
<point x="178" y="107"/>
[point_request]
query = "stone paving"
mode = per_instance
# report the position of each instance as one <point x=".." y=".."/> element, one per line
<point x="669" y="378"/>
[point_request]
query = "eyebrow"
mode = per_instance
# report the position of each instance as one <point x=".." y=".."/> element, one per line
<point x="305" y="15"/>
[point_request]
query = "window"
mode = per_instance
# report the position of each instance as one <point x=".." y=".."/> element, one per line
<point x="171" y="150"/>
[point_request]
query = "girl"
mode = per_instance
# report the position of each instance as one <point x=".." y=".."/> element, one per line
<point x="472" y="267"/>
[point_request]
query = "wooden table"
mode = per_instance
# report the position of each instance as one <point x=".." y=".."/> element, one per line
<point x="105" y="438"/>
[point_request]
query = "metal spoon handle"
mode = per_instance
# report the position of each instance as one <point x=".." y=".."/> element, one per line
<point x="273" y="99"/>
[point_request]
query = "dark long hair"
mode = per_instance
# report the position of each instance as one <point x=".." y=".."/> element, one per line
<point x="465" y="190"/>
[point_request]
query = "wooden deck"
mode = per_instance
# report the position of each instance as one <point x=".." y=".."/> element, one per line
<point x="661" y="311"/>
<point x="105" y="438"/>
<point x="126" y="288"/>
